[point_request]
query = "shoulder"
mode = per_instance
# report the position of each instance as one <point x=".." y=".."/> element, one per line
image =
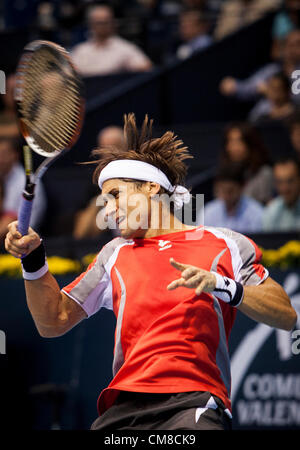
<point x="253" y="205"/>
<point x="242" y="249"/>
<point x="213" y="205"/>
<point x="120" y="42"/>
<point x="15" y="176"/>
<point x="83" y="46"/>
<point x="274" y="205"/>
<point x="111" y="248"/>
<point x="265" y="171"/>
<point x="233" y="239"/>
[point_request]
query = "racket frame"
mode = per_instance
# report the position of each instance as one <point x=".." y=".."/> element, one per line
<point x="63" y="55"/>
<point x="32" y="179"/>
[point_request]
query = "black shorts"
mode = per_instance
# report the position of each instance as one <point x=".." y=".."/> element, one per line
<point x="178" y="411"/>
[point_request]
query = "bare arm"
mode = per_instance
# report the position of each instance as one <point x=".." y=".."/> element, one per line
<point x="267" y="302"/>
<point x="53" y="312"/>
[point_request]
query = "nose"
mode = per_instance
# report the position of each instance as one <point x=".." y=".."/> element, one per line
<point x="110" y="209"/>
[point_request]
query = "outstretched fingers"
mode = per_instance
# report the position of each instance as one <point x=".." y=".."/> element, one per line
<point x="192" y="277"/>
<point x="178" y="265"/>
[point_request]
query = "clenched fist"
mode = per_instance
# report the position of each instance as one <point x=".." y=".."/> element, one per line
<point x="193" y="277"/>
<point x="18" y="245"/>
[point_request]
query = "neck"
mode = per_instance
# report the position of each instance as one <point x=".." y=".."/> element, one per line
<point x="164" y="223"/>
<point x="231" y="209"/>
<point x="98" y="40"/>
<point x="292" y="203"/>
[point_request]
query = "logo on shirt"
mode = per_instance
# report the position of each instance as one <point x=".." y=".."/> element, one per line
<point x="164" y="245"/>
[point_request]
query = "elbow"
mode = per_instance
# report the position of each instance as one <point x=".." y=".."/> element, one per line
<point x="52" y="331"/>
<point x="49" y="333"/>
<point x="290" y="320"/>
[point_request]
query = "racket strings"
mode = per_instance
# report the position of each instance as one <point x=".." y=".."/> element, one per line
<point x="51" y="104"/>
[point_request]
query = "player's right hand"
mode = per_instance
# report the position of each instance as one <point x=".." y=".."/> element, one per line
<point x="18" y="245"/>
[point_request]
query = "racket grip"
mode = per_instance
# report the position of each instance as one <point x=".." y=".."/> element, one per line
<point x="24" y="215"/>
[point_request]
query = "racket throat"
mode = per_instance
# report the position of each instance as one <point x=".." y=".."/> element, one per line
<point x="28" y="192"/>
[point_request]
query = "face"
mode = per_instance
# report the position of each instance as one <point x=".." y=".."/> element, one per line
<point x="293" y="5"/>
<point x="291" y="49"/>
<point x="236" y="146"/>
<point x="189" y="27"/>
<point x="101" y="23"/>
<point x="111" y="136"/>
<point x="287" y="182"/>
<point x="128" y="206"/>
<point x="295" y="137"/>
<point x="228" y="191"/>
<point x="8" y="157"/>
<point x="276" y="91"/>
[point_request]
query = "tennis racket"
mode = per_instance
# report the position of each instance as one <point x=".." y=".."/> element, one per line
<point x="50" y="104"/>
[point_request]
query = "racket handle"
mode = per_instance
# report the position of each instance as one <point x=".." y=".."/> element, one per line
<point x="24" y="215"/>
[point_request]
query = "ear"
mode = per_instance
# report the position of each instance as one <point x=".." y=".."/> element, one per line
<point x="153" y="188"/>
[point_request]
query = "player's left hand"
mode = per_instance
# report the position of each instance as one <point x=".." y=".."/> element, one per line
<point x="193" y="277"/>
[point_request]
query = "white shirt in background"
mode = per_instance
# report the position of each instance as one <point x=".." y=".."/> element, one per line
<point x="115" y="55"/>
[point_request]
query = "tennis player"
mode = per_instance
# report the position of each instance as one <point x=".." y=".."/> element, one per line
<point x="174" y="289"/>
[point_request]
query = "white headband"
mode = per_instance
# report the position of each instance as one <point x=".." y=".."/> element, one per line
<point x="139" y="170"/>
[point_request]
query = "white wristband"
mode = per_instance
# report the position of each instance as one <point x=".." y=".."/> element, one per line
<point x="228" y="290"/>
<point x="35" y="275"/>
<point x="35" y="264"/>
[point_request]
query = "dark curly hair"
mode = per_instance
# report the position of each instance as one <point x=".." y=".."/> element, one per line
<point x="167" y="153"/>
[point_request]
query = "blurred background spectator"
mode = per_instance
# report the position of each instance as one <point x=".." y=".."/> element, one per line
<point x="235" y="14"/>
<point x="243" y="144"/>
<point x="283" y="213"/>
<point x="252" y="87"/>
<point x="193" y="31"/>
<point x="231" y="209"/>
<point x="1" y="200"/>
<point x="126" y="52"/>
<point x="8" y="119"/>
<point x="285" y="21"/>
<point x="276" y="103"/>
<point x="294" y="131"/>
<point x="85" y="223"/>
<point x="105" y="52"/>
<point x="111" y="135"/>
<point x="12" y="175"/>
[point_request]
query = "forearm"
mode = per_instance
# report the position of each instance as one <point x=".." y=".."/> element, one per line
<point x="44" y="301"/>
<point x="268" y="303"/>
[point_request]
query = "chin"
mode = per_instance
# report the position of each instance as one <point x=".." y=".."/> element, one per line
<point x="126" y="233"/>
<point x="131" y="234"/>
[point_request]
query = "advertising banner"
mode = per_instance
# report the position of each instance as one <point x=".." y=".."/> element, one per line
<point x="265" y="364"/>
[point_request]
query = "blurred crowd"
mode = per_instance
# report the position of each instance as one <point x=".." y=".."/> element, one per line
<point x="253" y="193"/>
